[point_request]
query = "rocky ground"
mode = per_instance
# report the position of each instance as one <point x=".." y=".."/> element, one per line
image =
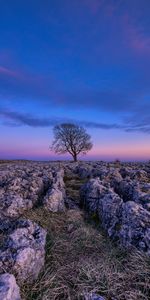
<point x="74" y="231"/>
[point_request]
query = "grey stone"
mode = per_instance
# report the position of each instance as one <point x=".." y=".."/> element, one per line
<point x="90" y="194"/>
<point x="54" y="200"/>
<point x="135" y="226"/>
<point x="9" y="289"/>
<point x="128" y="221"/>
<point x="55" y="197"/>
<point x="93" y="296"/>
<point x="110" y="213"/>
<point x="23" y="251"/>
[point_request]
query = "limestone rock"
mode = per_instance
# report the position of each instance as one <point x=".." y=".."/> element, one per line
<point x="54" y="200"/>
<point x="124" y="220"/>
<point x="90" y="194"/>
<point x="9" y="289"/>
<point x="93" y="296"/>
<point x="110" y="213"/>
<point x="23" y="251"/>
<point x="135" y="228"/>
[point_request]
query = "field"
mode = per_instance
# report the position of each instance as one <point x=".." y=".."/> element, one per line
<point x="93" y="248"/>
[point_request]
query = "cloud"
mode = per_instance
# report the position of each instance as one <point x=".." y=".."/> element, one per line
<point x="12" y="119"/>
<point x="100" y="125"/>
<point x="139" y="121"/>
<point x="7" y="72"/>
<point x="136" y="37"/>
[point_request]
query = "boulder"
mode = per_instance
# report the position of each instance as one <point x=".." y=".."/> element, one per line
<point x="9" y="289"/>
<point x="93" y="296"/>
<point x="110" y="213"/>
<point x="135" y="227"/>
<point x="21" y="187"/>
<point x="58" y="175"/>
<point x="140" y="175"/>
<point x="23" y="251"/>
<point x="128" y="222"/>
<point x="90" y="193"/>
<point x="13" y="205"/>
<point x="125" y="172"/>
<point x="54" y="200"/>
<point x="113" y="178"/>
<point x="83" y="171"/>
<point x="55" y="196"/>
<point x="129" y="190"/>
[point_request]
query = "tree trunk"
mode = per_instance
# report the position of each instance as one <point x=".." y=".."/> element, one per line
<point x="75" y="157"/>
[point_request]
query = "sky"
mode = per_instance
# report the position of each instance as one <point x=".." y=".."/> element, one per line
<point x="82" y="61"/>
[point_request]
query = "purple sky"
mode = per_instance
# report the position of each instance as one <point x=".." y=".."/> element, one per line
<point x="86" y="61"/>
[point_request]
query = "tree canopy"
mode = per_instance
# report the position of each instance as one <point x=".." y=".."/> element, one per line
<point x="71" y="138"/>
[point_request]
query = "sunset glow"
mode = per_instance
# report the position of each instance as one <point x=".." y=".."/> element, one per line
<point x="86" y="62"/>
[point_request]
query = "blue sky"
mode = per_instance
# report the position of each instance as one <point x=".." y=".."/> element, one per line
<point x="86" y="61"/>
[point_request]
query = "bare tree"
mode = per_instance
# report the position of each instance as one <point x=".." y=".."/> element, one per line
<point x="71" y="138"/>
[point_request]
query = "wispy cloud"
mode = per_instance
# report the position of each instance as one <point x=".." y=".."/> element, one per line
<point x="7" y="72"/>
<point x="136" y="37"/>
<point x="12" y="118"/>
